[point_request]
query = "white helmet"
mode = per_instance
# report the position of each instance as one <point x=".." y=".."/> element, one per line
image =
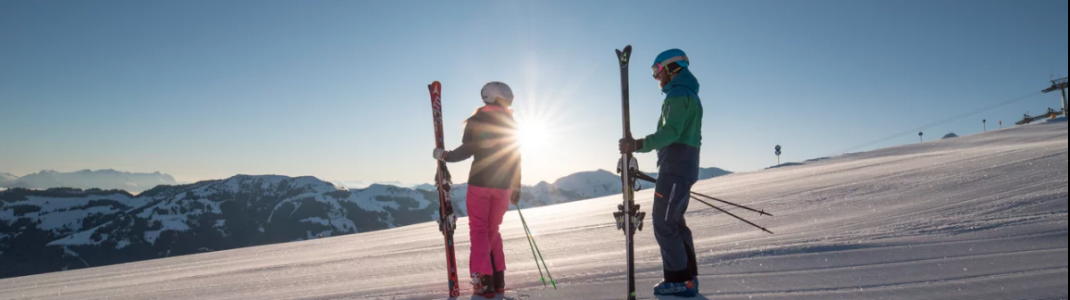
<point x="496" y="92"/>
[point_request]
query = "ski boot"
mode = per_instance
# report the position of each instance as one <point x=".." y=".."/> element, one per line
<point x="499" y="282"/>
<point x="687" y="289"/>
<point x="483" y="286"/>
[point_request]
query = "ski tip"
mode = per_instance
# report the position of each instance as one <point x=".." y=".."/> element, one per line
<point x="624" y="56"/>
<point x="434" y="87"/>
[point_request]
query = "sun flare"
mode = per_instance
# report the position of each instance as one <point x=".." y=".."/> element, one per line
<point x="534" y="136"/>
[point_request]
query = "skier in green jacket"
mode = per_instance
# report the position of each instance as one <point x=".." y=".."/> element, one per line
<point x="678" y="140"/>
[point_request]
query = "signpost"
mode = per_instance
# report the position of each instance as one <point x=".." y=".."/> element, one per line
<point x="778" y="148"/>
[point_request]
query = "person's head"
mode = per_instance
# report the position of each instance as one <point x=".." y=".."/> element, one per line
<point x="497" y="93"/>
<point x="668" y="64"/>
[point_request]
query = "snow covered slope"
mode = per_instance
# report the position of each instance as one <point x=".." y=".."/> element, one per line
<point x="973" y="218"/>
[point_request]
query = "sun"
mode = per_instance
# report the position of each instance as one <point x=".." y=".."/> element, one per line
<point x="534" y="136"/>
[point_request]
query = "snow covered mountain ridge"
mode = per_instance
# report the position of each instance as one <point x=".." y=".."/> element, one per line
<point x="7" y="179"/>
<point x="61" y="229"/>
<point x="87" y="179"/>
<point x="64" y="228"/>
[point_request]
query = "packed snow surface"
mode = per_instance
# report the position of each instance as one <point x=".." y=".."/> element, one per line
<point x="972" y="218"/>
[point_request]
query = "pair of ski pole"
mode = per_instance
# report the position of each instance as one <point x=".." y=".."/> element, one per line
<point x="535" y="252"/>
<point x="696" y="196"/>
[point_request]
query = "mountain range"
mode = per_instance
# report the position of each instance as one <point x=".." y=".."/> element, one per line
<point x="87" y="179"/>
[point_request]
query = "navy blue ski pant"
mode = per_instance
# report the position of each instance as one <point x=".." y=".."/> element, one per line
<point x="671" y="198"/>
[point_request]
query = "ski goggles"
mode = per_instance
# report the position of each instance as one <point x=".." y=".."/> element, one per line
<point x="661" y="66"/>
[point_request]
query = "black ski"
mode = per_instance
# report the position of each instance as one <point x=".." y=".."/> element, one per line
<point x="629" y="218"/>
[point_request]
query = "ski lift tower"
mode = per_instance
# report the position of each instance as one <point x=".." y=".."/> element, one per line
<point x="1059" y="85"/>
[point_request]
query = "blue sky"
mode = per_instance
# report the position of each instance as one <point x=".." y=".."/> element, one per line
<point x="337" y="89"/>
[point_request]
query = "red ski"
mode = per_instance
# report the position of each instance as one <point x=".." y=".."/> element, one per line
<point x="447" y="221"/>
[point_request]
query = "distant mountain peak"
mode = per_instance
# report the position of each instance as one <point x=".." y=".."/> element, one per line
<point x="8" y="176"/>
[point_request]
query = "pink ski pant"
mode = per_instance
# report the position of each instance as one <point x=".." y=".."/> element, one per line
<point x="486" y="208"/>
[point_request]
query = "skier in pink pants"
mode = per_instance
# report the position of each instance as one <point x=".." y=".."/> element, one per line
<point x="494" y="182"/>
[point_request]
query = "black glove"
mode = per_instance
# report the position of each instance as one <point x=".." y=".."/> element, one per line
<point x="515" y="197"/>
<point x="629" y="145"/>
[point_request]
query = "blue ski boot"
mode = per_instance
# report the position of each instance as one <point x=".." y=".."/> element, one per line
<point x="677" y="289"/>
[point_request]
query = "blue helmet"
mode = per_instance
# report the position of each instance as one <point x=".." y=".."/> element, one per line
<point x="673" y="60"/>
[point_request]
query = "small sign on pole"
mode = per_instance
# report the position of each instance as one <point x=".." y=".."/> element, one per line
<point x="778" y="148"/>
<point x="921" y="136"/>
<point x="984" y="122"/>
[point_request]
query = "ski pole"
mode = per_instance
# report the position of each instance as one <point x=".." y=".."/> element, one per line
<point x="536" y="245"/>
<point x="649" y="179"/>
<point x="734" y="216"/>
<point x="760" y="212"/>
<point x="532" y="246"/>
